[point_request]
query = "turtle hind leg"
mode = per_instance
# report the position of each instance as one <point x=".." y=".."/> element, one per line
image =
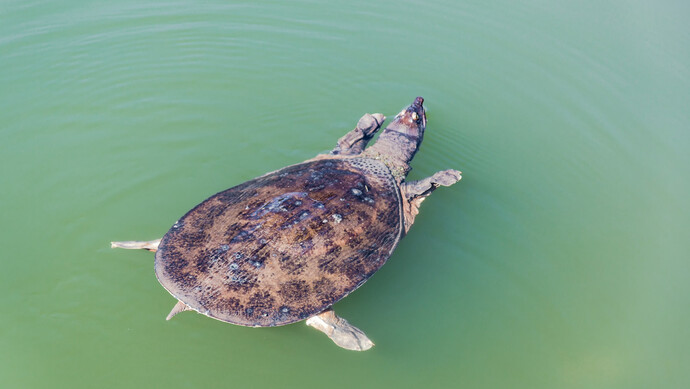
<point x="150" y="245"/>
<point x="356" y="140"/>
<point x="340" y="331"/>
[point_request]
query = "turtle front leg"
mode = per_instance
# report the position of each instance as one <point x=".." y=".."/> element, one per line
<point x="150" y="245"/>
<point x="414" y="192"/>
<point x="340" y="331"/>
<point x="356" y="140"/>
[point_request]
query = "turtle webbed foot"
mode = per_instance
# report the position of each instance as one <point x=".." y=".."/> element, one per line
<point x="340" y="331"/>
<point x="150" y="245"/>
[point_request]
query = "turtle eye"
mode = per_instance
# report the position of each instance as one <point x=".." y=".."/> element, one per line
<point x="415" y="117"/>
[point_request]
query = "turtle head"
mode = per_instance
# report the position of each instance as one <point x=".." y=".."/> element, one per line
<point x="411" y="121"/>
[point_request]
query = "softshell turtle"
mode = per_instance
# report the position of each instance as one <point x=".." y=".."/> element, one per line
<point x="286" y="246"/>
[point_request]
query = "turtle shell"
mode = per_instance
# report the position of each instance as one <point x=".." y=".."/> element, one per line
<point x="284" y="246"/>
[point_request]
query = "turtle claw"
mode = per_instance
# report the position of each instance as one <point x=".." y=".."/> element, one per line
<point x="150" y="245"/>
<point x="340" y="331"/>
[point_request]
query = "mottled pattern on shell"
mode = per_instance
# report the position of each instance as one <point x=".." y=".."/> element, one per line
<point x="285" y="246"/>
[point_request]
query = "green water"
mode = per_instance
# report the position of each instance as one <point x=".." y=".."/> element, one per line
<point x="559" y="261"/>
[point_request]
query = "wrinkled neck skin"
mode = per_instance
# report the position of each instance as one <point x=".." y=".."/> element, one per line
<point x="395" y="150"/>
<point x="399" y="142"/>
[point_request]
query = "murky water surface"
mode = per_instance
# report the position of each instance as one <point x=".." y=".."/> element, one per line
<point x="559" y="261"/>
